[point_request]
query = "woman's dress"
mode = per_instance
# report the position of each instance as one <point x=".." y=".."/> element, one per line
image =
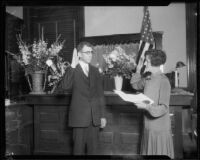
<point x="157" y="134"/>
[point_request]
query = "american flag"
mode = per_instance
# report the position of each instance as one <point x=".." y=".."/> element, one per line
<point x="146" y="40"/>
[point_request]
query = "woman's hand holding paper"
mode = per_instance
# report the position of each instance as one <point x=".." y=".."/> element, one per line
<point x="141" y="105"/>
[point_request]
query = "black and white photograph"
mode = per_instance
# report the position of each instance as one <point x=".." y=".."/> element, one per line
<point x="101" y="81"/>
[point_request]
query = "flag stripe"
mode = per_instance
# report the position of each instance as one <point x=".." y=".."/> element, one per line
<point x="140" y="51"/>
<point x="146" y="47"/>
<point x="141" y="61"/>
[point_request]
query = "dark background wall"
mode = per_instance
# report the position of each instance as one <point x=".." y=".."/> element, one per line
<point x="67" y="21"/>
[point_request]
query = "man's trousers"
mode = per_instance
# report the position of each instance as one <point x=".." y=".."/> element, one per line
<point x="85" y="140"/>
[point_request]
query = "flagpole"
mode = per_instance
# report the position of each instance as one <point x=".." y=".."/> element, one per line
<point x="42" y="33"/>
<point x="74" y="28"/>
<point x="39" y="30"/>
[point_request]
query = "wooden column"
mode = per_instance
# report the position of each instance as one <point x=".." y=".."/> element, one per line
<point x="191" y="45"/>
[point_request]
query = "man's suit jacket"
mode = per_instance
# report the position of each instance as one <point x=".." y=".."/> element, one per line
<point x="87" y="101"/>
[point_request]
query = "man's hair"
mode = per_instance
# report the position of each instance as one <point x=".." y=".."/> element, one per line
<point x="82" y="44"/>
<point x="157" y="57"/>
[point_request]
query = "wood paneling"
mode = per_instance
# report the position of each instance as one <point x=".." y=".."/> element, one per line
<point x="51" y="130"/>
<point x="19" y="129"/>
<point x="121" y="135"/>
<point x="56" y="20"/>
<point x="191" y="44"/>
<point x="13" y="26"/>
<point x="14" y="76"/>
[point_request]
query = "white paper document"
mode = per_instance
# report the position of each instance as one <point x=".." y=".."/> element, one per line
<point x="134" y="98"/>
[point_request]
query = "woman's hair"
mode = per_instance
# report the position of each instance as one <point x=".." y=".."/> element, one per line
<point x="157" y="57"/>
<point x="82" y="44"/>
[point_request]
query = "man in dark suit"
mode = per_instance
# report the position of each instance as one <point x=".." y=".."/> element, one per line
<point x="87" y="104"/>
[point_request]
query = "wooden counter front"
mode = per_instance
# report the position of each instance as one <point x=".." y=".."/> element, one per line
<point x="121" y="135"/>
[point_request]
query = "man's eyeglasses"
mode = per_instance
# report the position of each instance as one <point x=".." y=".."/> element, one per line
<point x="88" y="52"/>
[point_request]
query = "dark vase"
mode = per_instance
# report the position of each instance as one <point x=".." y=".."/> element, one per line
<point x="38" y="84"/>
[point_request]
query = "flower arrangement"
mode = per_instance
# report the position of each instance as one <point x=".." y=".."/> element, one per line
<point x="57" y="71"/>
<point x="33" y="57"/>
<point x="119" y="63"/>
<point x="38" y="57"/>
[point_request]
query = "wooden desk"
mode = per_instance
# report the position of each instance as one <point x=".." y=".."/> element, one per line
<point x="120" y="136"/>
